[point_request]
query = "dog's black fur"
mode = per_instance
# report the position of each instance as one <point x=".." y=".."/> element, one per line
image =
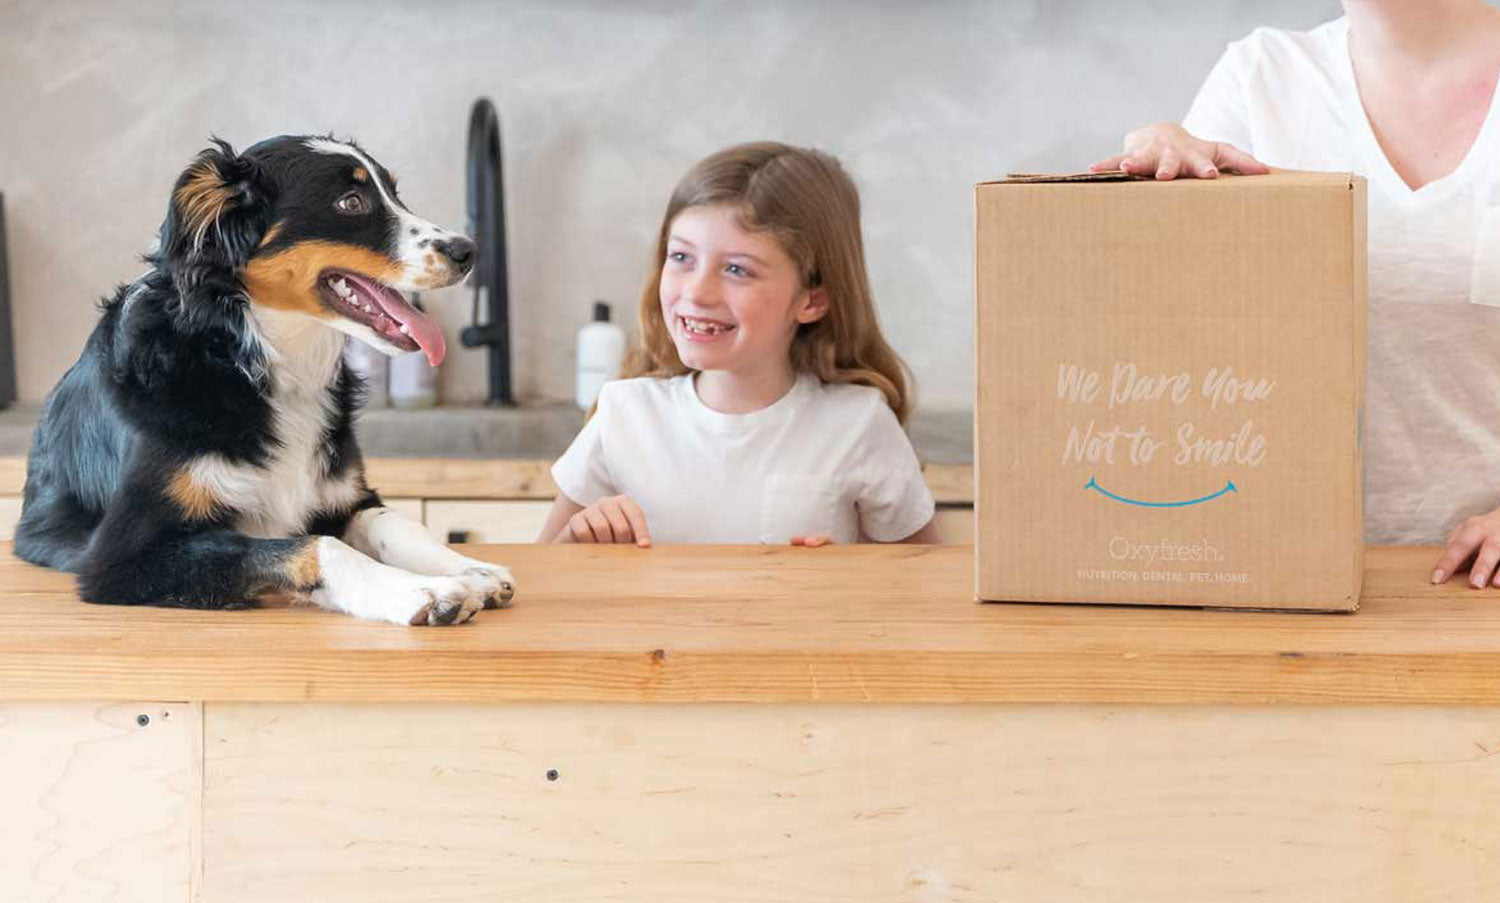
<point x="174" y="371"/>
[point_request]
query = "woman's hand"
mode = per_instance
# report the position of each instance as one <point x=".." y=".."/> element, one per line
<point x="616" y="519"/>
<point x="1166" y="150"/>
<point x="812" y="541"/>
<point x="1477" y="537"/>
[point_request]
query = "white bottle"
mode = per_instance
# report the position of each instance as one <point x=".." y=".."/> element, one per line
<point x="373" y="368"/>
<point x="413" y="380"/>
<point x="601" y="350"/>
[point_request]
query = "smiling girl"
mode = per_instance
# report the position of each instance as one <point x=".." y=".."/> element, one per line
<point x="764" y="404"/>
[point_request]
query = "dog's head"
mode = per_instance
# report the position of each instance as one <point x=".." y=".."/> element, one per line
<point x="311" y="226"/>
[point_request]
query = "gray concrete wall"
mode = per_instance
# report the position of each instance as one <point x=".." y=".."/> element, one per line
<point x="603" y="105"/>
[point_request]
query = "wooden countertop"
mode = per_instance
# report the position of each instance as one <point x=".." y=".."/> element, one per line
<point x="506" y="478"/>
<point x="847" y="624"/>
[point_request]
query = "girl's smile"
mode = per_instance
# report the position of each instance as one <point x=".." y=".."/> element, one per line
<point x="701" y="329"/>
<point x="733" y="299"/>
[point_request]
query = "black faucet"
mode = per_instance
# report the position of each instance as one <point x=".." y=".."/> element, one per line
<point x="486" y="189"/>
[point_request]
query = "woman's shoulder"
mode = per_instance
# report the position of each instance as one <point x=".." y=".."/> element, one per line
<point x="1279" y="46"/>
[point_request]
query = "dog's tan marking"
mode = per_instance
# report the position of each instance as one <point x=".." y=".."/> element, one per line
<point x="282" y="598"/>
<point x="361" y="174"/>
<point x="288" y="278"/>
<point x="203" y="198"/>
<point x="271" y="234"/>
<point x="303" y="569"/>
<point x="196" y="501"/>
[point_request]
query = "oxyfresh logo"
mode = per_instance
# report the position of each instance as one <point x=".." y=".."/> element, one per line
<point x="1122" y="548"/>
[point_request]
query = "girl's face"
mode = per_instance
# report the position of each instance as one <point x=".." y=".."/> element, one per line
<point x="732" y="299"/>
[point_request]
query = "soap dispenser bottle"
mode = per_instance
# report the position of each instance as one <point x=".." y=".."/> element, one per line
<point x="601" y="350"/>
<point x="413" y="382"/>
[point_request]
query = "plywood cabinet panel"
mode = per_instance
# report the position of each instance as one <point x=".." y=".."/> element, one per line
<point x="98" y="802"/>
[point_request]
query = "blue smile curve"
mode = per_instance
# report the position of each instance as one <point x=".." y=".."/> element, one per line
<point x="1228" y="487"/>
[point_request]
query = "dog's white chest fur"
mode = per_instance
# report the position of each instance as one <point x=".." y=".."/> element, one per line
<point x="278" y="497"/>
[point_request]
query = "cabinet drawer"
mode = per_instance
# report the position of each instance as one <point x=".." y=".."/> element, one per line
<point x="10" y="514"/>
<point x="411" y="508"/>
<point x="478" y="521"/>
<point x="955" y="526"/>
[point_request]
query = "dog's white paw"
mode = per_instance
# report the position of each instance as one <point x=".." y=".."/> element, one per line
<point x="443" y="601"/>
<point x="493" y="584"/>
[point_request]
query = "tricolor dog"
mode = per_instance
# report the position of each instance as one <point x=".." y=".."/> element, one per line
<point x="200" y="453"/>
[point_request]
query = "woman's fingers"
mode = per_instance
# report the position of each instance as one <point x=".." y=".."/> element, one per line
<point x="1169" y="165"/>
<point x="1166" y="151"/>
<point x="1484" y="563"/>
<point x="1229" y="157"/>
<point x="1462" y="544"/>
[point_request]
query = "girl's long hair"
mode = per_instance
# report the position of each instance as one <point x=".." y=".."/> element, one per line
<point x="805" y="200"/>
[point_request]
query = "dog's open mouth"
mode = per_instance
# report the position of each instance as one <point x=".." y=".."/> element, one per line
<point x="384" y="310"/>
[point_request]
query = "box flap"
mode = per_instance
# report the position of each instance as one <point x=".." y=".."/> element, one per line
<point x="1275" y="176"/>
<point x="1113" y="175"/>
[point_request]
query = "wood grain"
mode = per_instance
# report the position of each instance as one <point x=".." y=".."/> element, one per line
<point x="95" y="806"/>
<point x="763" y="624"/>
<point x="848" y="804"/>
<point x="461" y="478"/>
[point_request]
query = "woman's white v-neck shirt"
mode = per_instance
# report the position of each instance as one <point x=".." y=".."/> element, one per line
<point x="1432" y="411"/>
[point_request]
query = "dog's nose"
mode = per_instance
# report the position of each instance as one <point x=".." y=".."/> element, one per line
<point x="459" y="250"/>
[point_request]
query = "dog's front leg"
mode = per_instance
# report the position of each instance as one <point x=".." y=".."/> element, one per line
<point x="400" y="542"/>
<point x="218" y="568"/>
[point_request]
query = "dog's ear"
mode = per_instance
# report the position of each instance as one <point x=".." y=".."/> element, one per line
<point x="219" y="212"/>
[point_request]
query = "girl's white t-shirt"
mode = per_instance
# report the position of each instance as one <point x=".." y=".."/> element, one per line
<point x="824" y="458"/>
<point x="1432" y="404"/>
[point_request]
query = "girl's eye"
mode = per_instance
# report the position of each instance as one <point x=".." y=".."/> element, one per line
<point x="735" y="269"/>
<point x="352" y="203"/>
<point x="677" y="256"/>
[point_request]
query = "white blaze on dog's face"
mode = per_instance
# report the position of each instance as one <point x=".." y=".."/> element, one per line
<point x="344" y="249"/>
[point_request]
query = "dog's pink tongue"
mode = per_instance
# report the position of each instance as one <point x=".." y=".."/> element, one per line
<point x="421" y="327"/>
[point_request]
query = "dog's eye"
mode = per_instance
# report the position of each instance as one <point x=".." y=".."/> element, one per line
<point x="352" y="203"/>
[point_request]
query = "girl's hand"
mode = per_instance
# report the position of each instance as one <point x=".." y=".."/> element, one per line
<point x="616" y="519"/>
<point x="1478" y="537"/>
<point x="1167" y="151"/>
<point x="813" y="541"/>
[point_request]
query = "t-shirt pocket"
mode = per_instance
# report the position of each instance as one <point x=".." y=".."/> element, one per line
<point x="800" y="505"/>
<point x="1484" y="280"/>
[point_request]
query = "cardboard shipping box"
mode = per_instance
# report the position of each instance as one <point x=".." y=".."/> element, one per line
<point x="1170" y="379"/>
